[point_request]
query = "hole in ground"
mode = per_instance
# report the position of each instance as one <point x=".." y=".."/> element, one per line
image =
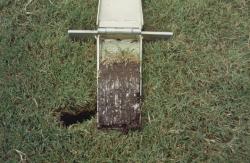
<point x="68" y="119"/>
<point x="70" y="115"/>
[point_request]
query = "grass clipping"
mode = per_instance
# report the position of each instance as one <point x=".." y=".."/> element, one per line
<point x="123" y="57"/>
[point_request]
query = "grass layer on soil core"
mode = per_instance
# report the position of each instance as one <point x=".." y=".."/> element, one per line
<point x="196" y="85"/>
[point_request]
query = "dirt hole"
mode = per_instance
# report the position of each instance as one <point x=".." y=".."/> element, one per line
<point x="68" y="119"/>
<point x="69" y="115"/>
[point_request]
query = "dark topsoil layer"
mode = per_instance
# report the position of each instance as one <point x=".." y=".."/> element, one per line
<point x="119" y="96"/>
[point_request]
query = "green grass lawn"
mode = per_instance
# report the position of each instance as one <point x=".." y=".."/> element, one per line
<point x="196" y="85"/>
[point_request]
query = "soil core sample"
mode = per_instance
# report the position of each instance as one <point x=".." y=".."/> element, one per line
<point x="118" y="100"/>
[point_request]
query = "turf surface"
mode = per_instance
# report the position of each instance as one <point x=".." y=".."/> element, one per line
<point x="196" y="85"/>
